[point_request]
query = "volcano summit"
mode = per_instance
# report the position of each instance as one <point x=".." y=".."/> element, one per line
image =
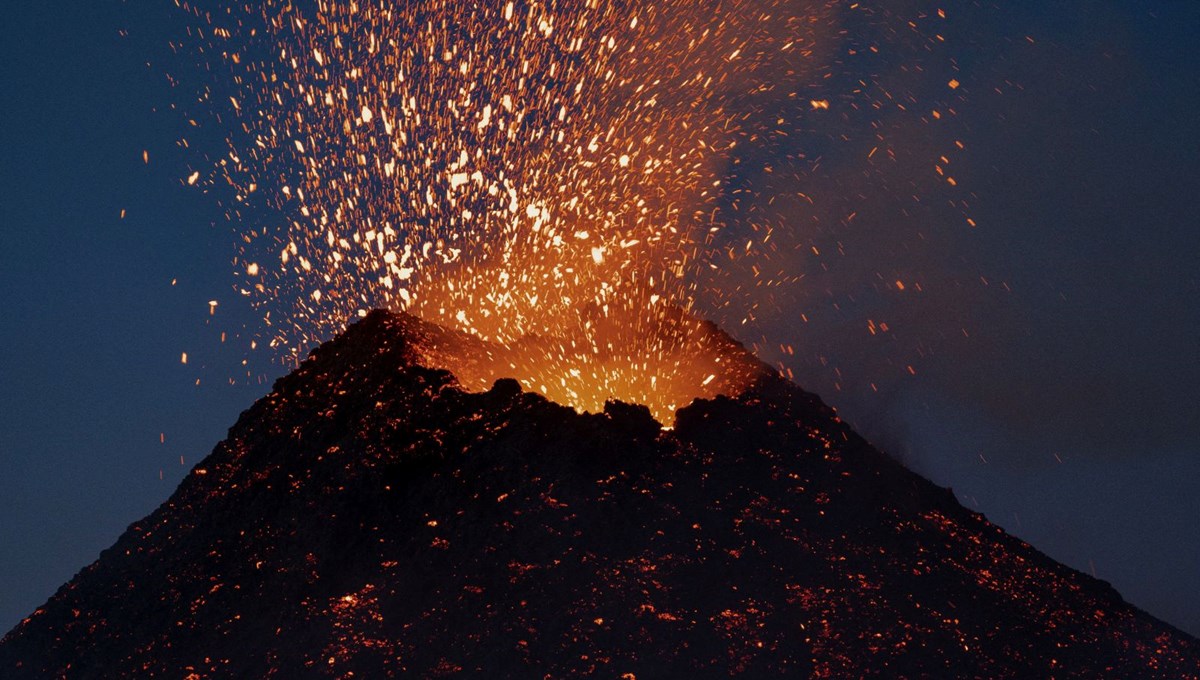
<point x="372" y="518"/>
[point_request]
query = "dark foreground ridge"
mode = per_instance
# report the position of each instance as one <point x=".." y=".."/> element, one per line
<point x="369" y="519"/>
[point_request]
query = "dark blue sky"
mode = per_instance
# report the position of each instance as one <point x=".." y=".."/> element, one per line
<point x="1088" y="191"/>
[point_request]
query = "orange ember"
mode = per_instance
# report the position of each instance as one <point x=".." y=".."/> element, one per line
<point x="555" y="179"/>
<point x="633" y="350"/>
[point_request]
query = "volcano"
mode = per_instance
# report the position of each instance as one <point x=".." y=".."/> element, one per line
<point x="371" y="517"/>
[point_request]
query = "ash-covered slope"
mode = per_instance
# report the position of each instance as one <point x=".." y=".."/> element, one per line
<point x="370" y="519"/>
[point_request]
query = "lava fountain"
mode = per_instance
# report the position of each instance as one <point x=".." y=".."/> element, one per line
<point x="546" y="176"/>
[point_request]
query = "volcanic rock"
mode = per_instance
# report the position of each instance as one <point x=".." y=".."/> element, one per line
<point x="370" y="518"/>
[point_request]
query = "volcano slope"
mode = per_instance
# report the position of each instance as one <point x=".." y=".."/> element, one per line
<point x="369" y="518"/>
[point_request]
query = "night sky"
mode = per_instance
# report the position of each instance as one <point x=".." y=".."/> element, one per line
<point x="1068" y="414"/>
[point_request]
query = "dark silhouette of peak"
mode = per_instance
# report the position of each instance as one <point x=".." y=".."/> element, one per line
<point x="369" y="518"/>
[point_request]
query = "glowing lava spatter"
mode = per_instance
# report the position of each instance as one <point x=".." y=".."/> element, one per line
<point x="517" y="170"/>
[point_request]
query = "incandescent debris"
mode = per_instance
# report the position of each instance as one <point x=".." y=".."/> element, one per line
<point x="371" y="518"/>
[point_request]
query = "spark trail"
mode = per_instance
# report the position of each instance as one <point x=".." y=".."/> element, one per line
<point x="549" y="174"/>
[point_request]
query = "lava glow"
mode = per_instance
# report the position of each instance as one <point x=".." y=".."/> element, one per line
<point x="551" y="177"/>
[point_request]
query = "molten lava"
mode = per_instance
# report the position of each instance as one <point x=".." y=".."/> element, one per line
<point x="558" y="178"/>
<point x="663" y="360"/>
